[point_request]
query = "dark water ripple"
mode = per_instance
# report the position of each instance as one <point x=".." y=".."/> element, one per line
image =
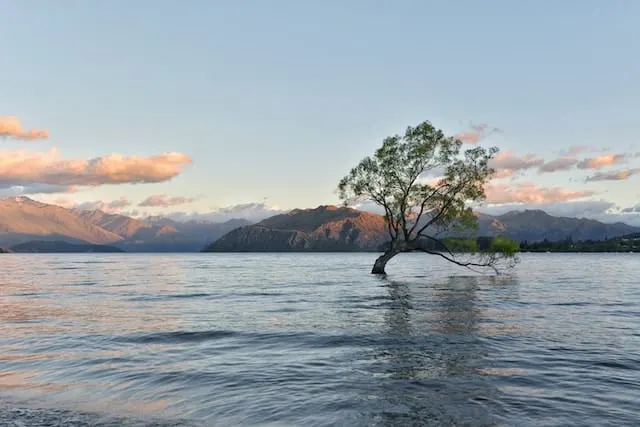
<point x="304" y="340"/>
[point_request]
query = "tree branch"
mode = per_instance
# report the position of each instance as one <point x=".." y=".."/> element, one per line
<point x="389" y="219"/>
<point x="437" y="241"/>
<point x="444" y="208"/>
<point x="423" y="205"/>
<point x="461" y="264"/>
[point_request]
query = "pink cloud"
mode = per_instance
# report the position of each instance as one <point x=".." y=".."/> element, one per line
<point x="47" y="168"/>
<point x="599" y="162"/>
<point x="476" y="133"/>
<point x="10" y="127"/>
<point x="508" y="160"/>
<point x="498" y="193"/>
<point x="469" y="137"/>
<point x="503" y="173"/>
<point x="619" y="175"/>
<point x="162" y="200"/>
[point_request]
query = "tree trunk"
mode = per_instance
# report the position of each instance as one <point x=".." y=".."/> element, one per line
<point x="381" y="262"/>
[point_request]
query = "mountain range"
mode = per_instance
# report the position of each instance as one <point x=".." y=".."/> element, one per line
<point x="325" y="228"/>
<point x="329" y="228"/>
<point x="23" y="219"/>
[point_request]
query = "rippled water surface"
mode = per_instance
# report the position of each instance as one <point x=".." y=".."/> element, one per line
<point x="314" y="339"/>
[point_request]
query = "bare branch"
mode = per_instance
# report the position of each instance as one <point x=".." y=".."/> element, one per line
<point x="423" y="205"/>
<point x="443" y="208"/>
<point x="490" y="264"/>
<point x="440" y="242"/>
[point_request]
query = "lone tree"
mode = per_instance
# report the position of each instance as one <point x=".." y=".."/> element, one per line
<point x="419" y="209"/>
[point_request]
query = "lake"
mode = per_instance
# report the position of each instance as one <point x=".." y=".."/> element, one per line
<point x="315" y="340"/>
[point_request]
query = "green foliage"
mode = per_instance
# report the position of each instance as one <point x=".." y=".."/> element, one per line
<point x="456" y="245"/>
<point x="394" y="178"/>
<point x="504" y="245"/>
<point x="417" y="209"/>
<point x="498" y="245"/>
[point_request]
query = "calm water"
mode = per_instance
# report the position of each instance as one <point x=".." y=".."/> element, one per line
<point x="303" y="340"/>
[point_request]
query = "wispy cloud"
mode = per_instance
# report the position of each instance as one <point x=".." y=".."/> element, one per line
<point x="476" y="133"/>
<point x="507" y="160"/>
<point x="162" y="200"/>
<point x="111" y="207"/>
<point x="574" y="150"/>
<point x="29" y="167"/>
<point x="528" y="192"/>
<point x="599" y="162"/>
<point x="253" y="211"/>
<point x="16" y="189"/>
<point x="557" y="165"/>
<point x="619" y="175"/>
<point x="577" y="149"/>
<point x="10" y="127"/>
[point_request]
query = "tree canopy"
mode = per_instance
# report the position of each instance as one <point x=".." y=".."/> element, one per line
<point x="425" y="183"/>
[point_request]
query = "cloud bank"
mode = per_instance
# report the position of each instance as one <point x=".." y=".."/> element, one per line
<point x="27" y="167"/>
<point x="528" y="192"/>
<point x="252" y="211"/>
<point x="114" y="206"/>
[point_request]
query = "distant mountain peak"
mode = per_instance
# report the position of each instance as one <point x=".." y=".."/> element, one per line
<point x="322" y="228"/>
<point x="322" y="208"/>
<point x="21" y="199"/>
<point x="535" y="213"/>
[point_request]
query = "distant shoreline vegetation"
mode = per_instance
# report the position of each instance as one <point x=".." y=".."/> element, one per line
<point x="630" y="243"/>
<point x="480" y="244"/>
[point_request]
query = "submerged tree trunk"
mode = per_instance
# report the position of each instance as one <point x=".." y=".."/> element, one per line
<point x="381" y="262"/>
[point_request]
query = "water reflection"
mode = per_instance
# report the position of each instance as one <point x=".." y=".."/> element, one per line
<point x="398" y="317"/>
<point x="232" y="340"/>
<point x="429" y="358"/>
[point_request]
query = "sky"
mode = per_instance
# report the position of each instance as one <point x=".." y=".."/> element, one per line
<point x="251" y="107"/>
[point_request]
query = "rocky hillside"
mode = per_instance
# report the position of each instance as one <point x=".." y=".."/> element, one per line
<point x="22" y="218"/>
<point x="124" y="226"/>
<point x="326" y="228"/>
